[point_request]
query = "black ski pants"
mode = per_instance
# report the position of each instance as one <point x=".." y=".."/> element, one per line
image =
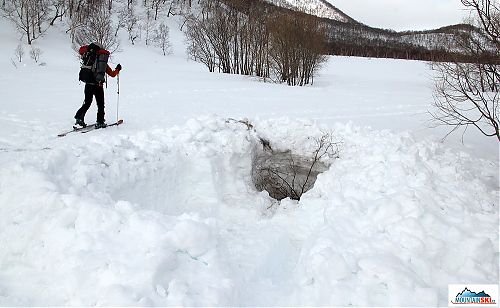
<point x="92" y="90"/>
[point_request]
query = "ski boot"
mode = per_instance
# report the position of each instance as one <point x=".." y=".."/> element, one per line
<point x="79" y="123"/>
<point x="100" y="125"/>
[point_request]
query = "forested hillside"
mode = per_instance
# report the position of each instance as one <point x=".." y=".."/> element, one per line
<point x="142" y="20"/>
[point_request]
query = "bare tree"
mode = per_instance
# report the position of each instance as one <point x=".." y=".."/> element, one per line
<point x="130" y="22"/>
<point x="467" y="94"/>
<point x="199" y="47"/>
<point x="19" y="52"/>
<point x="162" y="38"/>
<point x="148" y="25"/>
<point x="157" y="6"/>
<point x="97" y="27"/>
<point x="60" y="9"/>
<point x="487" y="18"/>
<point x="35" y="53"/>
<point x="297" y="49"/>
<point x="242" y="37"/>
<point x="29" y="17"/>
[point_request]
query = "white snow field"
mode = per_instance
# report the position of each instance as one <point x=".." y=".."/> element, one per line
<point x="162" y="211"/>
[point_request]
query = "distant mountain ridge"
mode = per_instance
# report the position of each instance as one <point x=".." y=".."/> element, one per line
<point x="348" y="37"/>
<point x="320" y="8"/>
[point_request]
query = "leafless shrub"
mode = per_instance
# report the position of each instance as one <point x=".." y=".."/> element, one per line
<point x="467" y="94"/>
<point x="19" y="52"/>
<point x="297" y="47"/>
<point x="199" y="46"/>
<point x="212" y="36"/>
<point x="13" y="63"/>
<point x="35" y="53"/>
<point x="244" y="121"/>
<point x="162" y="39"/>
<point x="130" y="22"/>
<point x="249" y="38"/>
<point x="287" y="175"/>
<point x="97" y="27"/>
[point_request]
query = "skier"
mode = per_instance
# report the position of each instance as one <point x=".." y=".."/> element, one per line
<point x="92" y="72"/>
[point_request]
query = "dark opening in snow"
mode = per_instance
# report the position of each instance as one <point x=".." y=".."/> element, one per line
<point x="284" y="174"/>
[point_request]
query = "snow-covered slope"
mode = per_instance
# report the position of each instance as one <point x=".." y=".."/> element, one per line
<point x="162" y="211"/>
<point x="319" y="8"/>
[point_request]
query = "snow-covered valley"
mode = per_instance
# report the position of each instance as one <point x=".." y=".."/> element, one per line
<point x="162" y="210"/>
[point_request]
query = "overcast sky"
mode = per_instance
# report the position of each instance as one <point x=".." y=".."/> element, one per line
<point x="403" y="14"/>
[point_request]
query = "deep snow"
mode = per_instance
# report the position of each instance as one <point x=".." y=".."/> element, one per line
<point x="162" y="211"/>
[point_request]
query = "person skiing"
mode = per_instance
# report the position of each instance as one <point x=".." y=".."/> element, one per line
<point x="93" y="70"/>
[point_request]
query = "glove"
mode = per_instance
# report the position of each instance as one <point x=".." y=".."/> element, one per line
<point x="118" y="67"/>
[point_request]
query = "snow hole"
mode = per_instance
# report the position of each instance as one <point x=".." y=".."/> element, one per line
<point x="284" y="174"/>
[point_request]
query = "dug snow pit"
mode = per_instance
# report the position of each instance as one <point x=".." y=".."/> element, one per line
<point x="286" y="175"/>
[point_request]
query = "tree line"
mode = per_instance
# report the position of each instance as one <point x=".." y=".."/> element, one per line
<point x="251" y="38"/>
<point x="356" y="39"/>
<point x="92" y="20"/>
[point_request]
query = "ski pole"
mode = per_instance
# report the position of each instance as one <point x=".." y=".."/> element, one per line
<point x="118" y="98"/>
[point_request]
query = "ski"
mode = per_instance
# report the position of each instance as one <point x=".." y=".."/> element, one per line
<point x="87" y="128"/>
<point x="94" y="128"/>
<point x="76" y="129"/>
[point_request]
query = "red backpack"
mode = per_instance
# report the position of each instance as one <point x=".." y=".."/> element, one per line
<point x="94" y="64"/>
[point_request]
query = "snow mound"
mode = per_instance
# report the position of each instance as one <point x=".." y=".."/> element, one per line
<point x="402" y="220"/>
<point x="170" y="217"/>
